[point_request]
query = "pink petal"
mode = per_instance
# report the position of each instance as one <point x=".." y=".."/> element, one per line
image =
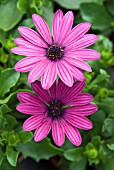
<point x="52" y="91"/>
<point x="65" y="26"/>
<point x="83" y="42"/>
<point x="29" y="52"/>
<point x="33" y="122"/>
<point x="58" y="132"/>
<point x="30" y="108"/>
<point x="86" y="54"/>
<point x="76" y="33"/>
<point x="21" y="42"/>
<point x="26" y="64"/>
<point x="74" y="91"/>
<point x="62" y="89"/>
<point x="64" y="73"/>
<point x="42" y="28"/>
<point x="49" y="77"/>
<point x="72" y="133"/>
<point x="40" y="92"/>
<point x="43" y="130"/>
<point x="27" y="97"/>
<point x="32" y="36"/>
<point x="38" y="70"/>
<point x="56" y="24"/>
<point x="76" y="72"/>
<point x="78" y="121"/>
<point x="78" y="63"/>
<point x="80" y="100"/>
<point x="82" y="110"/>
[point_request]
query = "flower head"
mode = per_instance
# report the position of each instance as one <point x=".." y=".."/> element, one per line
<point x="61" y="108"/>
<point x="61" y="54"/>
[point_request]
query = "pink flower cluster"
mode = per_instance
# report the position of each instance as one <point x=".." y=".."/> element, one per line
<point x="60" y="106"/>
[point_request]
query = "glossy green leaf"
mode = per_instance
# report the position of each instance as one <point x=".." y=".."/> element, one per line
<point x="4" y="109"/>
<point x="75" y="4"/>
<point x="97" y="15"/>
<point x="111" y="146"/>
<point x="40" y="150"/>
<point x="22" y="5"/>
<point x="12" y="155"/>
<point x="9" y="15"/>
<point x="25" y="136"/>
<point x="8" y="79"/>
<point x="74" y="154"/>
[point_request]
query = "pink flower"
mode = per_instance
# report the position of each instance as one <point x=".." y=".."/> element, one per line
<point x="61" y="54"/>
<point x="62" y="109"/>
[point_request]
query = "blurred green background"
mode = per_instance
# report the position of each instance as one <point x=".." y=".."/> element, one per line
<point x="97" y="149"/>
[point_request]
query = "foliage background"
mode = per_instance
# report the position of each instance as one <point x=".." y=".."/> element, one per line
<point x="97" y="149"/>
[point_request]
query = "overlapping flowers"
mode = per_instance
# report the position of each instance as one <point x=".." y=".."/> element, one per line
<point x="59" y="105"/>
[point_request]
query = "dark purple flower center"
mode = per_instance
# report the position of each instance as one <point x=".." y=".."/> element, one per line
<point x="54" y="52"/>
<point x="55" y="109"/>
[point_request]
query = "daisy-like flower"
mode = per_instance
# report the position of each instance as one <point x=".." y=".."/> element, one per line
<point x="61" y="54"/>
<point x="61" y="108"/>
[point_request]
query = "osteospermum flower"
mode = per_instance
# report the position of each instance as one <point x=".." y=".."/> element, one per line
<point x="62" y="109"/>
<point x="61" y="54"/>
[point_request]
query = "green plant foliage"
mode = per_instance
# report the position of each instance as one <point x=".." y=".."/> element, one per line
<point x="11" y="155"/>
<point x="75" y="4"/>
<point x="79" y="165"/>
<point x="97" y="149"/>
<point x="74" y="154"/>
<point x="96" y="15"/>
<point x="9" y="15"/>
<point x="45" y="150"/>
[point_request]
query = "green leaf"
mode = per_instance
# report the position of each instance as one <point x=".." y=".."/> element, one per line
<point x="22" y="5"/>
<point x="2" y="36"/>
<point x="1" y="157"/>
<point x="6" y="166"/>
<point x="25" y="136"/>
<point x="111" y="146"/>
<point x="7" y="99"/>
<point x="109" y="164"/>
<point x="97" y="119"/>
<point x="108" y="106"/>
<point x="11" y="155"/>
<point x="48" y="15"/>
<point x="97" y="15"/>
<point x="63" y="164"/>
<point x="37" y="151"/>
<point x="108" y="127"/>
<point x="8" y="79"/>
<point x="9" y="15"/>
<point x="74" y="154"/>
<point x="4" y="109"/>
<point x="2" y="122"/>
<point x="3" y="56"/>
<point x="111" y="8"/>
<point x="102" y="78"/>
<point x="11" y="122"/>
<point x="80" y="165"/>
<point x="75" y="4"/>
